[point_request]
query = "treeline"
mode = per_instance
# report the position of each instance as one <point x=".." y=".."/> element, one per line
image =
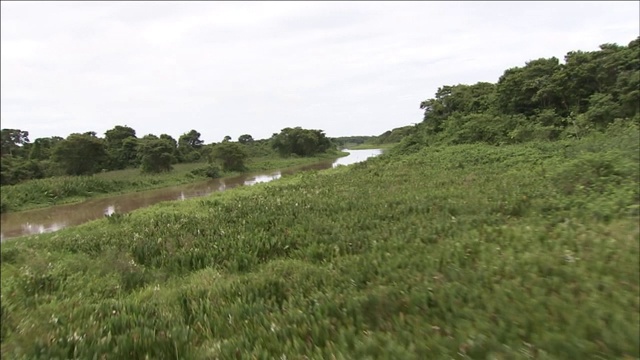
<point x="542" y="100"/>
<point x="394" y="135"/>
<point x="388" y="137"/>
<point x="120" y="148"/>
<point x="346" y="141"/>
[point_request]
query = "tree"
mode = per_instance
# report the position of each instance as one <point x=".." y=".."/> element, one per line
<point x="525" y="90"/>
<point x="11" y="140"/>
<point x="299" y="141"/>
<point x="189" y="145"/>
<point x="245" y="139"/>
<point x="80" y="154"/>
<point x="156" y="155"/>
<point x="462" y="99"/>
<point x="170" y="139"/>
<point x="42" y="147"/>
<point x="232" y="156"/>
<point x="602" y="110"/>
<point x="120" y="148"/>
<point x="14" y="170"/>
<point x="174" y="144"/>
<point x="191" y="139"/>
<point x="227" y="138"/>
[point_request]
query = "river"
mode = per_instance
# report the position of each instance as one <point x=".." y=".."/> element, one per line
<point x="54" y="218"/>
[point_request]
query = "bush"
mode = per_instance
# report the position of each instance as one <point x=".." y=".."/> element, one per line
<point x="595" y="172"/>
<point x="232" y="156"/>
<point x="211" y="171"/>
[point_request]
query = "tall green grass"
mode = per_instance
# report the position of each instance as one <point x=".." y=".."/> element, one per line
<point x="471" y="252"/>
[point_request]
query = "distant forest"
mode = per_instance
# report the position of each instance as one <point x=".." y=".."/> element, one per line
<point x="120" y="148"/>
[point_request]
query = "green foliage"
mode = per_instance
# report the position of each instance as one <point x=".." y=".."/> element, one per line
<point x="530" y="88"/>
<point x="13" y="170"/>
<point x="260" y="149"/>
<point x="464" y="99"/>
<point x="121" y="143"/>
<point x="539" y="101"/>
<point x="231" y="155"/>
<point x="480" y="128"/>
<point x="301" y="142"/>
<point x="350" y="141"/>
<point x="12" y="140"/>
<point x="211" y="171"/>
<point x="64" y="189"/>
<point x="245" y="139"/>
<point x="54" y="190"/>
<point x="495" y="260"/>
<point x="80" y="154"/>
<point x="156" y="155"/>
<point x="189" y="146"/>
<point x="394" y="136"/>
<point x="42" y="147"/>
<point x="524" y="250"/>
<point x="176" y="153"/>
<point x="191" y="140"/>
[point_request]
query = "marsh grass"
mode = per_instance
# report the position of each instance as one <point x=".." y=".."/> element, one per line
<point x="470" y="251"/>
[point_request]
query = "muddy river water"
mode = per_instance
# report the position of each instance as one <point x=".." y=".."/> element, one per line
<point x="58" y="217"/>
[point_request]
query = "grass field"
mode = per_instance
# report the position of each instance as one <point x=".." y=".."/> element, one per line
<point x="460" y="252"/>
<point x="68" y="189"/>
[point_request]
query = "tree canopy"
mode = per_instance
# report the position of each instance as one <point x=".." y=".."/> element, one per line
<point x="299" y="141"/>
<point x="80" y="154"/>
<point x="231" y="155"/>
<point x="545" y="99"/>
<point x="11" y="140"/>
<point x="156" y="155"/>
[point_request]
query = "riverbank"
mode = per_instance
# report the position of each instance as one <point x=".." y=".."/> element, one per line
<point x="367" y="146"/>
<point x="468" y="250"/>
<point x="42" y="193"/>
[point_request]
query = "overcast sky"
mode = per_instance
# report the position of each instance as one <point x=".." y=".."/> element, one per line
<point x="232" y="68"/>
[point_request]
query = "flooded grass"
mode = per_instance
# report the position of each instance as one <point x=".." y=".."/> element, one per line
<point x="470" y="252"/>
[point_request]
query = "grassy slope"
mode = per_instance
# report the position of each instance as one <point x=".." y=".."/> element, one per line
<point x="63" y="190"/>
<point x="372" y="146"/>
<point x="473" y="251"/>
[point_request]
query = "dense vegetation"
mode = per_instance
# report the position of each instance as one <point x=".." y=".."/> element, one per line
<point x="68" y="189"/>
<point x="385" y="140"/>
<point x="512" y="252"/>
<point x="87" y="154"/>
<point x="543" y="100"/>
<point x="390" y="137"/>
<point x="346" y="142"/>
<point x="63" y="170"/>
<point x="447" y="246"/>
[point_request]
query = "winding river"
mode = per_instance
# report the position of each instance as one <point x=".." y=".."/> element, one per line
<point x="54" y="218"/>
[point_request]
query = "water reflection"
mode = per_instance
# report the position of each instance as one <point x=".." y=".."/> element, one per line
<point x="55" y="218"/>
<point x="263" y="178"/>
<point x="110" y="210"/>
<point x="33" y="229"/>
<point x="356" y="156"/>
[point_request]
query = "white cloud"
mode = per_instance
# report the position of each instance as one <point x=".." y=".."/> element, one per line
<point x="229" y="68"/>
